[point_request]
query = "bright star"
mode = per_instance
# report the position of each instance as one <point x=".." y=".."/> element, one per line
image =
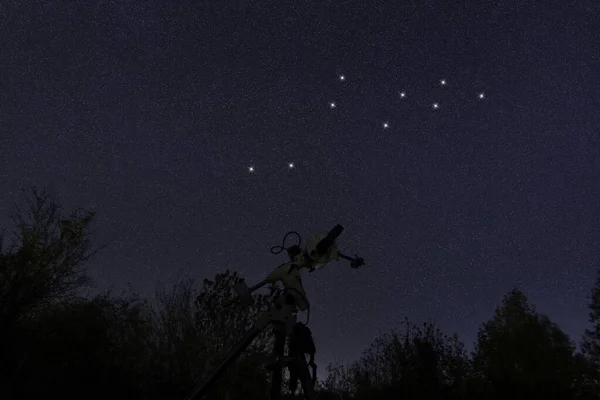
<point x="443" y="82"/>
<point x="386" y="125"/>
<point x="291" y="165"/>
<point x="332" y="105"/>
<point x="436" y="105"/>
<point x="402" y="94"/>
<point x="342" y="78"/>
<point x="481" y="95"/>
<point x="251" y="169"/>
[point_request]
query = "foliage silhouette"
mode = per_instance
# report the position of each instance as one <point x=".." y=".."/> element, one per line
<point x="45" y="259"/>
<point x="411" y="362"/>
<point x="53" y="343"/>
<point x="590" y="346"/>
<point x="521" y="354"/>
<point x="195" y="331"/>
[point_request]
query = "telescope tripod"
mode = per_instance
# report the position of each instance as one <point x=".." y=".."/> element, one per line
<point x="320" y="249"/>
<point x="282" y="317"/>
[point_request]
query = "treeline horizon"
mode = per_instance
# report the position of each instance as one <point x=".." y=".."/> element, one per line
<point x="57" y="343"/>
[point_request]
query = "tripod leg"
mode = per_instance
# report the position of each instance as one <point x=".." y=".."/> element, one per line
<point x="278" y="353"/>
<point x="305" y="379"/>
<point x="202" y="387"/>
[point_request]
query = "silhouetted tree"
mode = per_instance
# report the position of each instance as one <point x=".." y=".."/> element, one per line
<point x="591" y="340"/>
<point x="45" y="260"/>
<point x="590" y="346"/>
<point x="43" y="264"/>
<point x="339" y="383"/>
<point x="55" y="344"/>
<point x="223" y="322"/>
<point x="195" y="331"/>
<point x="586" y="385"/>
<point x="419" y="362"/>
<point x="178" y="347"/>
<point x="84" y="348"/>
<point x="520" y="354"/>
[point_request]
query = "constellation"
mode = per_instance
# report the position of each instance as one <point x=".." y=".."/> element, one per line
<point x="403" y="95"/>
<point x="384" y="124"/>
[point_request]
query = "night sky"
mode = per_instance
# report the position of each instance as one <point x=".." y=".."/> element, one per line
<point x="152" y="114"/>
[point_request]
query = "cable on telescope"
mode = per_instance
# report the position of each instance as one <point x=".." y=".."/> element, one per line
<point x="292" y="250"/>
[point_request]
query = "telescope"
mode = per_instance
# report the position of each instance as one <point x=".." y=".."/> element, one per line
<point x="320" y="249"/>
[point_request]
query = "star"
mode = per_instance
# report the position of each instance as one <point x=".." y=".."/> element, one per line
<point x="342" y="78"/>
<point x="386" y="125"/>
<point x="481" y="95"/>
<point x="436" y="106"/>
<point x="402" y="94"/>
<point x="332" y="105"/>
<point x="251" y="169"/>
<point x="443" y="82"/>
<point x="291" y="165"/>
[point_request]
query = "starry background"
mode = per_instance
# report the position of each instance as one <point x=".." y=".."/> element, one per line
<point x="151" y="113"/>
